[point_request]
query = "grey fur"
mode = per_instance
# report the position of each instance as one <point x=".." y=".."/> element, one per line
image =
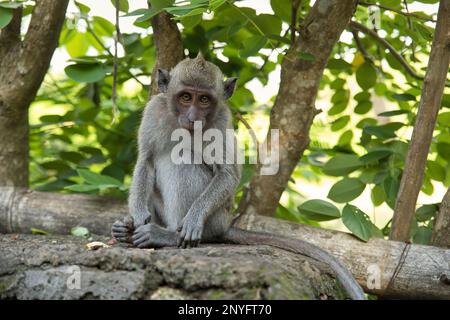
<point x="184" y="204"/>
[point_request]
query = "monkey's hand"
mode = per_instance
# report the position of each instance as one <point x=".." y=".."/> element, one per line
<point x="190" y="230"/>
<point x="142" y="236"/>
<point x="123" y="230"/>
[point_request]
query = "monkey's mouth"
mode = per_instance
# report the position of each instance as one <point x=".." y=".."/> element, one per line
<point x="186" y="124"/>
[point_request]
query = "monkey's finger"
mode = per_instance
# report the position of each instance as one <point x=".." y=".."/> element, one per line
<point x="138" y="235"/>
<point x="180" y="225"/>
<point x="140" y="241"/>
<point x="181" y="237"/>
<point x="123" y="239"/>
<point x="143" y="245"/>
<point x="119" y="229"/>
<point x="119" y="234"/>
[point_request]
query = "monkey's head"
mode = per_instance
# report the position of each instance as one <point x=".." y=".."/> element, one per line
<point x="195" y="90"/>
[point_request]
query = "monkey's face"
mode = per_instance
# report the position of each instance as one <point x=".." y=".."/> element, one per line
<point x="193" y="104"/>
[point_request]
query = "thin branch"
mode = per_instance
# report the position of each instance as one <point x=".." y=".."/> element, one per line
<point x="100" y="42"/>
<point x="355" y="26"/>
<point x="410" y="26"/>
<point x="115" y="65"/>
<point x="360" y="46"/>
<point x="293" y="26"/>
<point x="406" y="14"/>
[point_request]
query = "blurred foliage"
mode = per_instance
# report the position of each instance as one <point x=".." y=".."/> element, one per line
<point x="84" y="149"/>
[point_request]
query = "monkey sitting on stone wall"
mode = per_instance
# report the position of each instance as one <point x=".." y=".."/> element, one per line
<point x="174" y="204"/>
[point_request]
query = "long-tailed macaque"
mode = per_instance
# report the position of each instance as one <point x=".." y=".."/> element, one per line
<point x="173" y="204"/>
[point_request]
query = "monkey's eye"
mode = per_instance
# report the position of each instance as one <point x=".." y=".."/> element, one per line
<point x="186" y="97"/>
<point x="204" y="100"/>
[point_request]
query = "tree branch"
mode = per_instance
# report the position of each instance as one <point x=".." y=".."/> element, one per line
<point x="441" y="229"/>
<point x="373" y="263"/>
<point x="355" y="27"/>
<point x="430" y="102"/>
<point x="406" y="14"/>
<point x="168" y="44"/>
<point x="292" y="114"/>
<point x="293" y="26"/>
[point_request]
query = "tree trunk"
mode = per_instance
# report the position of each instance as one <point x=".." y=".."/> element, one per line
<point x="41" y="267"/>
<point x="417" y="268"/>
<point x="23" y="65"/>
<point x="441" y="229"/>
<point x="169" y="48"/>
<point x="294" y="108"/>
<point x="430" y="102"/>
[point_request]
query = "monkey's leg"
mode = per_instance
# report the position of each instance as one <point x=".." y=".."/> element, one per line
<point x="123" y="230"/>
<point x="153" y="236"/>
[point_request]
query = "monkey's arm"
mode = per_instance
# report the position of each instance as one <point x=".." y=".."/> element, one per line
<point x="141" y="187"/>
<point x="216" y="194"/>
<point x="144" y="172"/>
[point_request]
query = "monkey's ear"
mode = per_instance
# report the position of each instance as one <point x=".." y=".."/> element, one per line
<point x="163" y="80"/>
<point x="228" y="87"/>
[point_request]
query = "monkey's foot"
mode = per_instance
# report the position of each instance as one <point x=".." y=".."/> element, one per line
<point x="122" y="231"/>
<point x="153" y="236"/>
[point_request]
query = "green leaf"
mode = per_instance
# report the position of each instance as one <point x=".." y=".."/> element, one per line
<point x="102" y="27"/>
<point x="393" y="113"/>
<point x="338" y="64"/>
<point x="363" y="107"/>
<point x="83" y="8"/>
<point x="97" y="179"/>
<point x="366" y="76"/>
<point x="362" y="96"/>
<point x="377" y="195"/>
<point x="123" y="5"/>
<point x="252" y="46"/>
<point x="391" y="186"/>
<point x="38" y="231"/>
<point x="306" y="56"/>
<point x="71" y="156"/>
<point x="79" y="232"/>
<point x="216" y="4"/>
<point x="6" y="16"/>
<point x="375" y="155"/>
<point x="319" y="210"/>
<point x="341" y="165"/>
<point x="337" y="108"/>
<point x="435" y="171"/>
<point x="385" y="131"/>
<point x="267" y="23"/>
<point x="161" y="4"/>
<point x="57" y="165"/>
<point x="359" y="223"/>
<point x="346" y="190"/>
<point x="426" y="212"/>
<point x="403" y="97"/>
<point x="78" y="45"/>
<point x="443" y="150"/>
<point x="340" y="123"/>
<point x="345" y="138"/>
<point x="444" y="119"/>
<point x="89" y="73"/>
<point x="81" y="188"/>
<point x="282" y="9"/>
<point x="50" y="118"/>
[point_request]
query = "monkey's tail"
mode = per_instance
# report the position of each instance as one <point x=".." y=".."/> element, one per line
<point x="245" y="237"/>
